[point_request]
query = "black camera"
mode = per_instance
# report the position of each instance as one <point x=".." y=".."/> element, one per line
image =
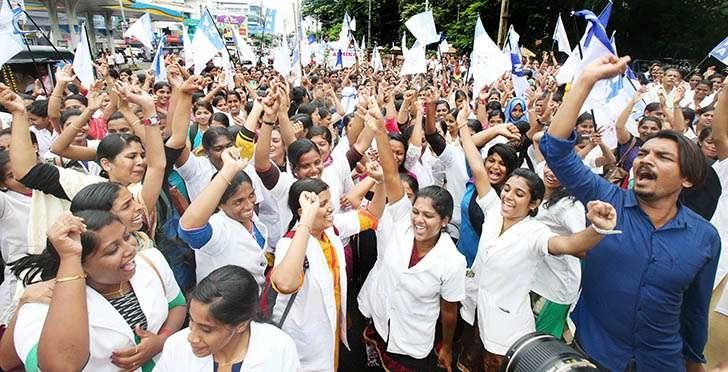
<point x="537" y="352"/>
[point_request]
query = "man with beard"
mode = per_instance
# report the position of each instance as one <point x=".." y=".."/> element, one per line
<point x="646" y="290"/>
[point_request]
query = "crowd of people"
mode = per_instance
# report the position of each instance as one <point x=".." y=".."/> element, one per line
<point x="353" y="219"/>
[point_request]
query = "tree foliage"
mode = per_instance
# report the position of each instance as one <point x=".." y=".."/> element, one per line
<point x="681" y="29"/>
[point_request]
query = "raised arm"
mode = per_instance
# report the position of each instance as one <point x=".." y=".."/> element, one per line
<point x="403" y="114"/>
<point x="64" y="341"/>
<point x="393" y="185"/>
<point x="620" y="126"/>
<point x="202" y="207"/>
<point x="154" y="148"/>
<point x="22" y="154"/>
<point x="357" y="122"/>
<point x="720" y="124"/>
<point x="678" y="120"/>
<point x="64" y="76"/>
<point x="565" y="119"/>
<point x="263" y="164"/>
<point x="182" y="100"/>
<point x="602" y="216"/>
<point x="287" y="275"/>
<point x="482" y="183"/>
<point x="62" y="146"/>
<point x="418" y="132"/>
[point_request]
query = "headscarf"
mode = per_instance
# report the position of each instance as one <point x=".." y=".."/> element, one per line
<point x="509" y="109"/>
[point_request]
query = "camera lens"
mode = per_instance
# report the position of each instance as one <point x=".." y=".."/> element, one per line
<point x="536" y="352"/>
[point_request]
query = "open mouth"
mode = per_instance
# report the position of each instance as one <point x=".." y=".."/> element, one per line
<point x="129" y="266"/>
<point x="645" y="173"/>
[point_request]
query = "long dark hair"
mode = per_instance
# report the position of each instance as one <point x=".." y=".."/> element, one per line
<point x="559" y="193"/>
<point x="97" y="196"/>
<point x="44" y="266"/>
<point x="313" y="185"/>
<point x="231" y="294"/>
<point x="535" y="185"/>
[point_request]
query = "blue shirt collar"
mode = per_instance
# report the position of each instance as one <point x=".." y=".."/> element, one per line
<point x="680" y="221"/>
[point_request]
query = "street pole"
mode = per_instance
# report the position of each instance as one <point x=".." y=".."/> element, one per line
<point x="123" y="16"/>
<point x="503" y="21"/>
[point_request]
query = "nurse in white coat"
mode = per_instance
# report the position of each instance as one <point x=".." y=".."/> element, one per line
<point x="419" y="275"/>
<point x="111" y="308"/>
<point x="310" y="261"/>
<point x="511" y="247"/>
<point x="234" y="235"/>
<point x="222" y="335"/>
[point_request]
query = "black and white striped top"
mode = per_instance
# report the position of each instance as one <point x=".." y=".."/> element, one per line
<point x="128" y="306"/>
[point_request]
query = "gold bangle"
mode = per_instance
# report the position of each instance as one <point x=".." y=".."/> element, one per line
<point x="134" y="124"/>
<point x="225" y="179"/>
<point x="304" y="225"/>
<point x="71" y="278"/>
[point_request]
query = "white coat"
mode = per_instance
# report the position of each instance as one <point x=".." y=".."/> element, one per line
<point x="311" y="321"/>
<point x="504" y="269"/>
<point x="232" y="244"/>
<point x="404" y="302"/>
<point x="269" y="350"/>
<point x="108" y="331"/>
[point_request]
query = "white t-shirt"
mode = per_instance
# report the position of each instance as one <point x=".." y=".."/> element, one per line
<point x="198" y="172"/>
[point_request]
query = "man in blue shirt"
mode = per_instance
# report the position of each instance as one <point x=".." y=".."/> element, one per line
<point x="645" y="292"/>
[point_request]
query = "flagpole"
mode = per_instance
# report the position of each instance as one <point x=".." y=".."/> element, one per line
<point x="697" y="67"/>
<point x="214" y="24"/>
<point x="38" y="29"/>
<point x="578" y="43"/>
<point x="35" y="64"/>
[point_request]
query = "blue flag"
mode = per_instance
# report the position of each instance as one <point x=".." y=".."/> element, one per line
<point x="160" y="70"/>
<point x="597" y="30"/>
<point x="311" y="39"/>
<point x="720" y="51"/>
<point x="605" y="14"/>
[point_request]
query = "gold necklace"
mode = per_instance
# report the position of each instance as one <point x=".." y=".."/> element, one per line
<point x="117" y="293"/>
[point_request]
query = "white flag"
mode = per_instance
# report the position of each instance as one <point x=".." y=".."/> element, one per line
<point x="206" y="42"/>
<point x="488" y="62"/>
<point x="422" y="26"/>
<point x="188" y="51"/>
<point x="141" y="30"/>
<point x="83" y="64"/>
<point x="404" y="45"/>
<point x="246" y="52"/>
<point x="12" y="43"/>
<point x="415" y="62"/>
<point x="444" y="46"/>
<point x="376" y="60"/>
<point x="282" y="60"/>
<point x="561" y="37"/>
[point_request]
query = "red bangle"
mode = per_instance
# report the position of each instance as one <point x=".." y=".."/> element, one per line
<point x="481" y="101"/>
<point x="165" y="332"/>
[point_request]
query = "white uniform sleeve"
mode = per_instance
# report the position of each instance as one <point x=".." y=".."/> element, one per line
<point x="573" y="217"/>
<point x="453" y="281"/>
<point x="169" y="283"/>
<point x="282" y="249"/>
<point x="28" y="327"/>
<point x="490" y="203"/>
<point x="169" y="359"/>
<point x="347" y="223"/>
<point x="399" y="211"/>
<point x="219" y="238"/>
<point x="73" y="181"/>
<point x="540" y="235"/>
